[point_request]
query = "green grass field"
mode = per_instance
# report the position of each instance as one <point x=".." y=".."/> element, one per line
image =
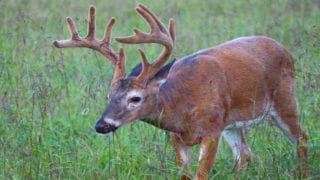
<point x="51" y="98"/>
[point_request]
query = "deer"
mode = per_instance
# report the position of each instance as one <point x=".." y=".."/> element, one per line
<point x="215" y="92"/>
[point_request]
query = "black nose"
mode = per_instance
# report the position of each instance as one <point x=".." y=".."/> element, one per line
<point x="103" y="127"/>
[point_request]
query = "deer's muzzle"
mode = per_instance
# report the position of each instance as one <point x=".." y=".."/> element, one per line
<point x="103" y="127"/>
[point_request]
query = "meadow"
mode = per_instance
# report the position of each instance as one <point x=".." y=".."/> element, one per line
<point x="51" y="98"/>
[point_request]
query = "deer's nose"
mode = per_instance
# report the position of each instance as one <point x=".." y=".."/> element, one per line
<point x="104" y="127"/>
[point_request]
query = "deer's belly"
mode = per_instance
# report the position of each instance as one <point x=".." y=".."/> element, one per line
<point x="247" y="123"/>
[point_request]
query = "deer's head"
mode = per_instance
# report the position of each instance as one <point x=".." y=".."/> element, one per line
<point x="134" y="96"/>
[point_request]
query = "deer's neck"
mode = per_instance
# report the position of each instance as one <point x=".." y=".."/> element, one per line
<point x="160" y="118"/>
<point x="164" y="114"/>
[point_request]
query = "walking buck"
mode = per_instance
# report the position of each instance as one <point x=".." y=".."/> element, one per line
<point x="214" y="92"/>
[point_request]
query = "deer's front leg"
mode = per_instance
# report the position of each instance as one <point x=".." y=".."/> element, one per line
<point x="183" y="154"/>
<point x="208" y="149"/>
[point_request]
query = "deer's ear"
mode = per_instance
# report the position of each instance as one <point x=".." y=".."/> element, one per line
<point x="136" y="70"/>
<point x="161" y="75"/>
<point x="163" y="72"/>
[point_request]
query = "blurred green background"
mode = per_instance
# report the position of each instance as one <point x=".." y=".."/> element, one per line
<point x="51" y="98"/>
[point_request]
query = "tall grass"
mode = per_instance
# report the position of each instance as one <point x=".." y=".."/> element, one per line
<point x="51" y="98"/>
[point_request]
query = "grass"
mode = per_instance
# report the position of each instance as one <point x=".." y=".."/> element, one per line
<point x="51" y="98"/>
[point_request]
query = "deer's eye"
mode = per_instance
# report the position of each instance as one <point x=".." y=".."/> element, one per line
<point x="134" y="100"/>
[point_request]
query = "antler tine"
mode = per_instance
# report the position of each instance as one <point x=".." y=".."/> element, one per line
<point x="159" y="23"/>
<point x="90" y="40"/>
<point x="106" y="49"/>
<point x="92" y="23"/>
<point x="154" y="17"/>
<point x="120" y="69"/>
<point x="158" y="34"/>
<point x="107" y="34"/>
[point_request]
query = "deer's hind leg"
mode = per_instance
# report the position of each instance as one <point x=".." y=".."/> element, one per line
<point x="240" y="150"/>
<point x="284" y="113"/>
